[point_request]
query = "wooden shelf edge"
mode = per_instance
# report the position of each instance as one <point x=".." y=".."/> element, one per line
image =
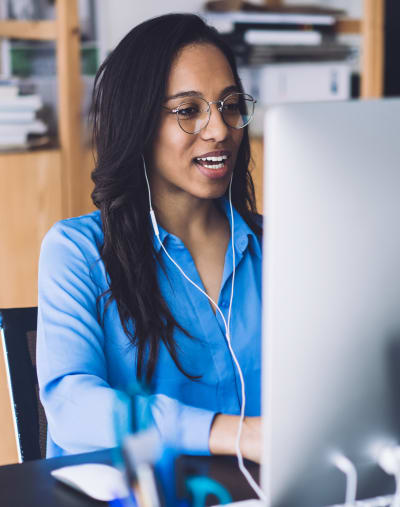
<point x="34" y="153"/>
<point x="349" y="26"/>
<point x="30" y="30"/>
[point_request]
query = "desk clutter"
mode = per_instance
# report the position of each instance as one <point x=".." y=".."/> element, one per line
<point x="187" y="483"/>
<point x="109" y="484"/>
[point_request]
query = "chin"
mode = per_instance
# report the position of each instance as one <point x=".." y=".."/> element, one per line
<point x="211" y="194"/>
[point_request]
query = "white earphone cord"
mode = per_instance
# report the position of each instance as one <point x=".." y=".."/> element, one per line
<point x="242" y="468"/>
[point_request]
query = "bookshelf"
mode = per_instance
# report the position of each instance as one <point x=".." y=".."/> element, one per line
<point x="40" y="187"/>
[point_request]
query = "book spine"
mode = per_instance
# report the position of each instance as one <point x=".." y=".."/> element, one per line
<point x="325" y="29"/>
<point x="21" y="103"/>
<point x="16" y="117"/>
<point x="13" y="140"/>
<point x="269" y="18"/>
<point x="35" y="127"/>
<point x="282" y="37"/>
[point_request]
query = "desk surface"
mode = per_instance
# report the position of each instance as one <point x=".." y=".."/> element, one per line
<point x="30" y="483"/>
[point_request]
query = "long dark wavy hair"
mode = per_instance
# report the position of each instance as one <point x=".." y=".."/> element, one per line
<point x="128" y="96"/>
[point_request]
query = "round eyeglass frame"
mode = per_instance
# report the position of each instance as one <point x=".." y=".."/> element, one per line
<point x="220" y="105"/>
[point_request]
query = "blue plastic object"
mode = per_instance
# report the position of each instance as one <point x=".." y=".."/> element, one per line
<point x="200" y="487"/>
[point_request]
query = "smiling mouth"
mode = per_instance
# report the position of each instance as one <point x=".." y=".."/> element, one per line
<point x="212" y="162"/>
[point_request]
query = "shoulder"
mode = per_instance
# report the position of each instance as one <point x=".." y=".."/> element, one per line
<point x="83" y="234"/>
<point x="78" y="227"/>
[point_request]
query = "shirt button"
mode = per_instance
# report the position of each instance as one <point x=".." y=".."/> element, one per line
<point x="224" y="303"/>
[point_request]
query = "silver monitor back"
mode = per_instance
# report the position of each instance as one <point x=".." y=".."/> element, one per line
<point x="331" y="311"/>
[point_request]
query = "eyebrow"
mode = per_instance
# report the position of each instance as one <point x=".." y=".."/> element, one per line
<point x="194" y="93"/>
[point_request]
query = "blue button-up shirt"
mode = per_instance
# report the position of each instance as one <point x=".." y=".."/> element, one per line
<point x="84" y="363"/>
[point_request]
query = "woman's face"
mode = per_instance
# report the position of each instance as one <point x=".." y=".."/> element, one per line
<point x="179" y="162"/>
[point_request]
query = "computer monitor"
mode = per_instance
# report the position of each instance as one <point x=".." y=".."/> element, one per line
<point x="331" y="298"/>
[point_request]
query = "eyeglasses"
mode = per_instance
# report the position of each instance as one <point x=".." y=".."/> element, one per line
<point x="236" y="109"/>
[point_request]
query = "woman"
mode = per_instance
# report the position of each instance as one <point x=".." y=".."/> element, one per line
<point x="113" y="306"/>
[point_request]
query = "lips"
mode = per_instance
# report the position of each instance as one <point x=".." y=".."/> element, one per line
<point x="213" y="160"/>
<point x="214" y="164"/>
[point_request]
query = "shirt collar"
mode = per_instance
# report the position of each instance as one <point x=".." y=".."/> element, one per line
<point x="243" y="234"/>
<point x="166" y="236"/>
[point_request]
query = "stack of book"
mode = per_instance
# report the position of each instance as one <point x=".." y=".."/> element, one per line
<point x="19" y="126"/>
<point x="286" y="54"/>
<point x="265" y="35"/>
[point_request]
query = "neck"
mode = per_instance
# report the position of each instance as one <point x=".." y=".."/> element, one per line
<point x="185" y="216"/>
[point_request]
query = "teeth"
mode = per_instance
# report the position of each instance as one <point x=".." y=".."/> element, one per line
<point x="213" y="159"/>
<point x="214" y="166"/>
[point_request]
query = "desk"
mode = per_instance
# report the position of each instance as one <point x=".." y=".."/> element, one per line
<point x="31" y="485"/>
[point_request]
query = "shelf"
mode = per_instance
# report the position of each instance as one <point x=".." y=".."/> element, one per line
<point x="349" y="26"/>
<point x="34" y="155"/>
<point x="31" y="30"/>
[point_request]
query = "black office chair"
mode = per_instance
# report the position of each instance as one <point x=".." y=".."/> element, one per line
<point x="18" y="329"/>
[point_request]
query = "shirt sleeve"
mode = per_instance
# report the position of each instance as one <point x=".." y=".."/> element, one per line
<point x="82" y="409"/>
<point x="186" y="427"/>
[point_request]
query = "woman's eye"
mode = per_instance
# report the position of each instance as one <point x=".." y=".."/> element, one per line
<point x="188" y="112"/>
<point x="232" y="107"/>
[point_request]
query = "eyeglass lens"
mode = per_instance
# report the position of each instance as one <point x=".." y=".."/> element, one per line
<point x="194" y="113"/>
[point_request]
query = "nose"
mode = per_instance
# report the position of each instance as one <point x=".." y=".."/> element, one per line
<point x="216" y="129"/>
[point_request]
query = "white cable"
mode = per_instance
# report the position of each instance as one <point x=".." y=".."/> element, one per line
<point x="347" y="467"/>
<point x="242" y="468"/>
<point x="228" y="331"/>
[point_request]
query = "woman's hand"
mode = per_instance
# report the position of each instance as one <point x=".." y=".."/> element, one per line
<point x="223" y="436"/>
